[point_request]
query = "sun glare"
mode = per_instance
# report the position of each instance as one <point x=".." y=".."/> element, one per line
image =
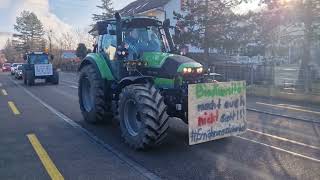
<point x="286" y="1"/>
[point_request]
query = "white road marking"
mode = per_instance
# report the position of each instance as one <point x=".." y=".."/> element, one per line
<point x="75" y="83"/>
<point x="280" y="149"/>
<point x="72" y="86"/>
<point x="290" y="105"/>
<point x="292" y="108"/>
<point x="4" y="92"/>
<point x="143" y="171"/>
<point x="284" y="139"/>
<point x="75" y="87"/>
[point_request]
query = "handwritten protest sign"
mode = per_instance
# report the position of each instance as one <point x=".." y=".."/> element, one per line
<point x="216" y="110"/>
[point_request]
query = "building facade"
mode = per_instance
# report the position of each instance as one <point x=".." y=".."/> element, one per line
<point x="160" y="9"/>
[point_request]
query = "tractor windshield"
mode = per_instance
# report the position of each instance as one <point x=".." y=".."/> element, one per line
<point x="39" y="59"/>
<point x="146" y="39"/>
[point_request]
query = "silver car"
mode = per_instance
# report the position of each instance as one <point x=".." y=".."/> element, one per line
<point x="18" y="72"/>
<point x="14" y="67"/>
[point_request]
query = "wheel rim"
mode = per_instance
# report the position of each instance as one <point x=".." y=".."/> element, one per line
<point x="132" y="118"/>
<point x="86" y="94"/>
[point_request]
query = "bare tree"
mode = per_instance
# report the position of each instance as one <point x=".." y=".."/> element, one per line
<point x="10" y="52"/>
<point x="84" y="37"/>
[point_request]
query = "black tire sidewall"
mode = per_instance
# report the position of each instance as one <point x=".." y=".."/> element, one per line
<point x="129" y="94"/>
<point x="25" y="78"/>
<point x="98" y="112"/>
<point x="30" y="78"/>
<point x="55" y="78"/>
<point x="153" y="116"/>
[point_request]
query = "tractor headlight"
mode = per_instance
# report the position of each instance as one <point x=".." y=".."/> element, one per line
<point x="199" y="70"/>
<point x="185" y="70"/>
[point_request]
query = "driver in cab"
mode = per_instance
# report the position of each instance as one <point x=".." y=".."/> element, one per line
<point x="138" y="41"/>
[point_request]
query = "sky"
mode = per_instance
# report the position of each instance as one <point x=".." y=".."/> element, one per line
<point x="59" y="15"/>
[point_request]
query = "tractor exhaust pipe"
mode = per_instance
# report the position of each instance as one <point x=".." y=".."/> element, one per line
<point x="119" y="28"/>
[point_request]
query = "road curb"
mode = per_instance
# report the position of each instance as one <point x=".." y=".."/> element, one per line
<point x="285" y="116"/>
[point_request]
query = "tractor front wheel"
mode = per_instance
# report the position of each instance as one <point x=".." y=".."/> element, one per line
<point x="92" y="99"/>
<point x="142" y="116"/>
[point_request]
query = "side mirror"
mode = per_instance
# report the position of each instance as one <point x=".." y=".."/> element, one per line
<point x="52" y="57"/>
<point x="25" y="57"/>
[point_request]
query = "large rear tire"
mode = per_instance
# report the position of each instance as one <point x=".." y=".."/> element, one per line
<point x="55" y="78"/>
<point x="30" y="78"/>
<point x="94" y="104"/>
<point x="142" y="116"/>
<point x="24" y="79"/>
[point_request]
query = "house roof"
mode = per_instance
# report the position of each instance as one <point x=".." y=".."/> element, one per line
<point x="140" y="6"/>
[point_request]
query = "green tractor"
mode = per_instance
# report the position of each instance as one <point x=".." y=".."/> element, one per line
<point x="37" y="66"/>
<point x="135" y="76"/>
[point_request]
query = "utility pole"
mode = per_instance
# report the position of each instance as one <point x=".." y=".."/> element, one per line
<point x="50" y="41"/>
<point x="206" y="33"/>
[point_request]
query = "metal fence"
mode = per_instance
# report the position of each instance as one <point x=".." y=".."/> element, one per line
<point x="252" y="74"/>
<point x="285" y="78"/>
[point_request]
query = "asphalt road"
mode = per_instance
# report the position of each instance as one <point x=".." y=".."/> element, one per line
<point x="274" y="147"/>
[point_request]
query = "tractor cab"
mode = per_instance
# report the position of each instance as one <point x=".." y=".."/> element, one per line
<point x="37" y="58"/>
<point x="125" y="42"/>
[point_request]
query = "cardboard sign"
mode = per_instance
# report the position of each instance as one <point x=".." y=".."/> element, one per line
<point x="216" y="110"/>
<point x="43" y="70"/>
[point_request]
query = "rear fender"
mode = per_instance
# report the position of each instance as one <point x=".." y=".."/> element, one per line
<point x="99" y="62"/>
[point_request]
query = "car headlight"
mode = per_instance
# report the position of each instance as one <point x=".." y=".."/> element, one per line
<point x="199" y="70"/>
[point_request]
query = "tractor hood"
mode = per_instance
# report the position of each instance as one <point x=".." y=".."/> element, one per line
<point x="167" y="65"/>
